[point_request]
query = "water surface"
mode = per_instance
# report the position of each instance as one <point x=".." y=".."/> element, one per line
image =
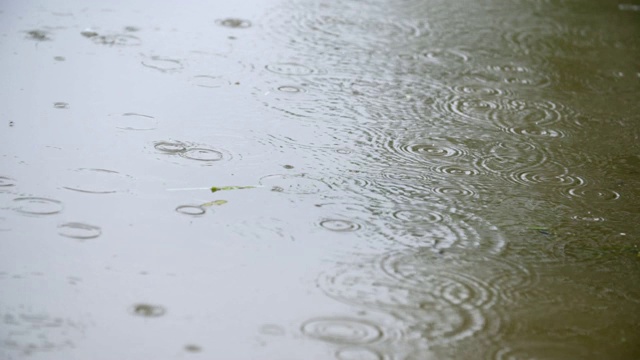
<point x="406" y="180"/>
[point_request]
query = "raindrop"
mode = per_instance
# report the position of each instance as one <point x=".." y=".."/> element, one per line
<point x="59" y="58"/>
<point x="193" y="210"/>
<point x="60" y="105"/>
<point x="340" y="225"/>
<point x="162" y="64"/>
<point x="342" y="330"/>
<point x="290" y="69"/>
<point x="148" y="310"/>
<point x="131" y="29"/>
<point x="134" y="121"/>
<point x="79" y="231"/>
<point x="37" y="206"/>
<point x="234" y="23"/>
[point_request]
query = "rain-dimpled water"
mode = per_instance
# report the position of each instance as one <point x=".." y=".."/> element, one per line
<point x="297" y="179"/>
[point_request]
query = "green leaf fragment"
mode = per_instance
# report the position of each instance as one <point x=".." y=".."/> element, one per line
<point x="215" y="188"/>
<point x="214" y="203"/>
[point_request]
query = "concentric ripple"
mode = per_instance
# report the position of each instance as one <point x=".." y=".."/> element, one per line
<point x="340" y="225"/>
<point x="438" y="308"/>
<point x="170" y="147"/>
<point x="291" y="68"/>
<point x="463" y="278"/>
<point x="202" y="154"/>
<point x="187" y="152"/>
<point x="342" y="330"/>
<point x="592" y="193"/>
<point x="587" y="241"/>
<point x="80" y="231"/>
<point x="531" y="118"/>
<point x="467" y="109"/>
<point x="439" y="155"/>
<point x="511" y="159"/>
<point x="439" y="227"/>
<point x="99" y="181"/>
<point x="353" y="26"/>
<point x="528" y="164"/>
<point x="518" y="75"/>
<point x="37" y="206"/>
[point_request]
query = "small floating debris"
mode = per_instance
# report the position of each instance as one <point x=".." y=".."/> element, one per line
<point x="38" y="35"/>
<point x="148" y="310"/>
<point x="234" y="23"/>
<point x="88" y="33"/>
<point x="214" y="203"/>
<point x="541" y="229"/>
<point x="214" y="188"/>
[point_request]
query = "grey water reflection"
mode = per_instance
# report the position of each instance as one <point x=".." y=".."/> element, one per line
<point x="394" y="180"/>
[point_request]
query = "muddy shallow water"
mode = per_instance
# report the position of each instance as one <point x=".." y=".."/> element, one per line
<point x="395" y="180"/>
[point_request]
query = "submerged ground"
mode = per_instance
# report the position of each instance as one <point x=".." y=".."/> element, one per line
<point x="396" y="180"/>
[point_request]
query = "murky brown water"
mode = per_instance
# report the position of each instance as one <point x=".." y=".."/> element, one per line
<point x="417" y="180"/>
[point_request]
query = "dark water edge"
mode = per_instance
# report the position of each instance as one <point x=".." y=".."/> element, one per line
<point x="394" y="180"/>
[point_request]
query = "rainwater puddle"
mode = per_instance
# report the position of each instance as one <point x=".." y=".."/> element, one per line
<point x="427" y="190"/>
